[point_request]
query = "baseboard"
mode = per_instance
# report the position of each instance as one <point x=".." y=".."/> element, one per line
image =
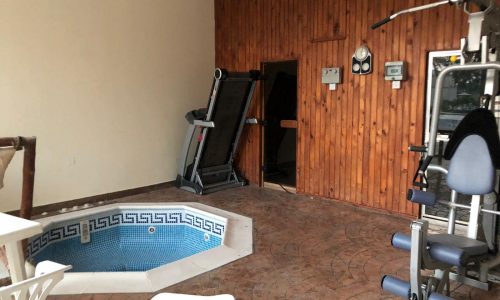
<point x="37" y="210"/>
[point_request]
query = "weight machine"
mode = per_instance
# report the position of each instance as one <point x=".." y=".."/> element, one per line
<point x="474" y="154"/>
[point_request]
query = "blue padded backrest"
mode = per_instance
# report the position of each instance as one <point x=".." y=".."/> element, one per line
<point x="471" y="170"/>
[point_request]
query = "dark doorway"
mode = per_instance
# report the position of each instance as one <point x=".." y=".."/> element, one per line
<point x="280" y="120"/>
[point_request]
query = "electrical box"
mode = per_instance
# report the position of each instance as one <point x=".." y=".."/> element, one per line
<point x="331" y="76"/>
<point x="395" y="71"/>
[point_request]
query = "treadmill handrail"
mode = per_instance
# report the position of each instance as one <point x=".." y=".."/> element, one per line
<point x="242" y="122"/>
<point x="253" y="121"/>
<point x="209" y="124"/>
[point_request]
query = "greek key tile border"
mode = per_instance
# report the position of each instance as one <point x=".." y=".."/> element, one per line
<point x="129" y="217"/>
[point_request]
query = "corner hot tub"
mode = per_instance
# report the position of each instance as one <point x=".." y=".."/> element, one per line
<point x="140" y="247"/>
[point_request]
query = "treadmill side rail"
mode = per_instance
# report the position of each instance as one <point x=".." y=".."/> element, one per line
<point x="204" y="123"/>
<point x="212" y="168"/>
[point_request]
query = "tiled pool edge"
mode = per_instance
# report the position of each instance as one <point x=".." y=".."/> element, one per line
<point x="117" y="216"/>
<point x="237" y="244"/>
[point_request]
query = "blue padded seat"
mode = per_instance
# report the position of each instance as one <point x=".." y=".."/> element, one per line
<point x="447" y="248"/>
<point x="470" y="246"/>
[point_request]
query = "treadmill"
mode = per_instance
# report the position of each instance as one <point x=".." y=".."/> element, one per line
<point x="207" y="162"/>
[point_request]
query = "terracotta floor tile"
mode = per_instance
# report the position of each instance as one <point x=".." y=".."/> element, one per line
<point x="305" y="248"/>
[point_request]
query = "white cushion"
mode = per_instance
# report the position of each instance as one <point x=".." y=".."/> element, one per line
<point x="170" y="296"/>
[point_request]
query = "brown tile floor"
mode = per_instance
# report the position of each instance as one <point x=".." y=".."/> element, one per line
<point x="305" y="248"/>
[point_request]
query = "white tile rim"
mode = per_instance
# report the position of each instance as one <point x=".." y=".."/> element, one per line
<point x="238" y="243"/>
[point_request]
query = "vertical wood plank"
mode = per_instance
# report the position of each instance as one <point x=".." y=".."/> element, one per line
<point x="352" y="142"/>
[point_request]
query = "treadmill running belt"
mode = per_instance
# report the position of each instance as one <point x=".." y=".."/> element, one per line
<point x="207" y="162"/>
<point x="227" y="114"/>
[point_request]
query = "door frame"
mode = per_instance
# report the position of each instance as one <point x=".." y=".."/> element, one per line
<point x="262" y="103"/>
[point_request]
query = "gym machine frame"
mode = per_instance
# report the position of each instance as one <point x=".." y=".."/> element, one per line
<point x="478" y="53"/>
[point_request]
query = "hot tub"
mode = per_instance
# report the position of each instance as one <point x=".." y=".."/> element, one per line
<point x="138" y="247"/>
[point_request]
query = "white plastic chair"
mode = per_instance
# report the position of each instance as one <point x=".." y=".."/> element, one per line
<point x="47" y="275"/>
<point x="170" y="296"/>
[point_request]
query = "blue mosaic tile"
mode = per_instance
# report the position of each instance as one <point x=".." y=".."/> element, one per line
<point x="129" y="248"/>
<point x="127" y="218"/>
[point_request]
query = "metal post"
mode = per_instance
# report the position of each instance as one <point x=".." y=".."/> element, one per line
<point x="418" y="230"/>
<point x="475" y="209"/>
<point x="243" y="120"/>
<point x="452" y="213"/>
<point x="185" y="149"/>
<point x="204" y="130"/>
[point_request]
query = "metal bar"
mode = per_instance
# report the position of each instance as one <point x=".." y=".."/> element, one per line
<point x="491" y="211"/>
<point x="242" y="122"/>
<point x="252" y="121"/>
<point x="485" y="267"/>
<point x="469" y="281"/>
<point x="204" y="130"/>
<point x="217" y="184"/>
<point x="452" y="214"/>
<point x="491" y="83"/>
<point x="417" y="241"/>
<point x="436" y="108"/>
<point x="443" y="278"/>
<point x="209" y="124"/>
<point x="469" y="207"/>
<point x="223" y="187"/>
<point x="198" y="179"/>
<point x="438" y="168"/>
<point x="414" y="9"/>
<point x="419" y="8"/>
<point x="474" y="217"/>
<point x="455" y="204"/>
<point x="474" y="37"/>
<point x="212" y="99"/>
<point x="185" y="149"/>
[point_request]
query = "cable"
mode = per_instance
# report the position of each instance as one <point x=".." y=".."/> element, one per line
<point x="285" y="189"/>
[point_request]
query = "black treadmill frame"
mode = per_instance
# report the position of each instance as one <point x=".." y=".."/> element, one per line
<point x="191" y="178"/>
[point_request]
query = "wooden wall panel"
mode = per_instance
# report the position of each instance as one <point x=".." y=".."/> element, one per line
<point x="352" y="142"/>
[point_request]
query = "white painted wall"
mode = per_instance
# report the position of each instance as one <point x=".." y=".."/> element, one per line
<point x="104" y="85"/>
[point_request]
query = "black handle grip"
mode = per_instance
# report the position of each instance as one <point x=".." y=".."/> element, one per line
<point x="423" y="180"/>
<point x="417" y="148"/>
<point x="425" y="164"/>
<point x="422" y="185"/>
<point x="381" y="22"/>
